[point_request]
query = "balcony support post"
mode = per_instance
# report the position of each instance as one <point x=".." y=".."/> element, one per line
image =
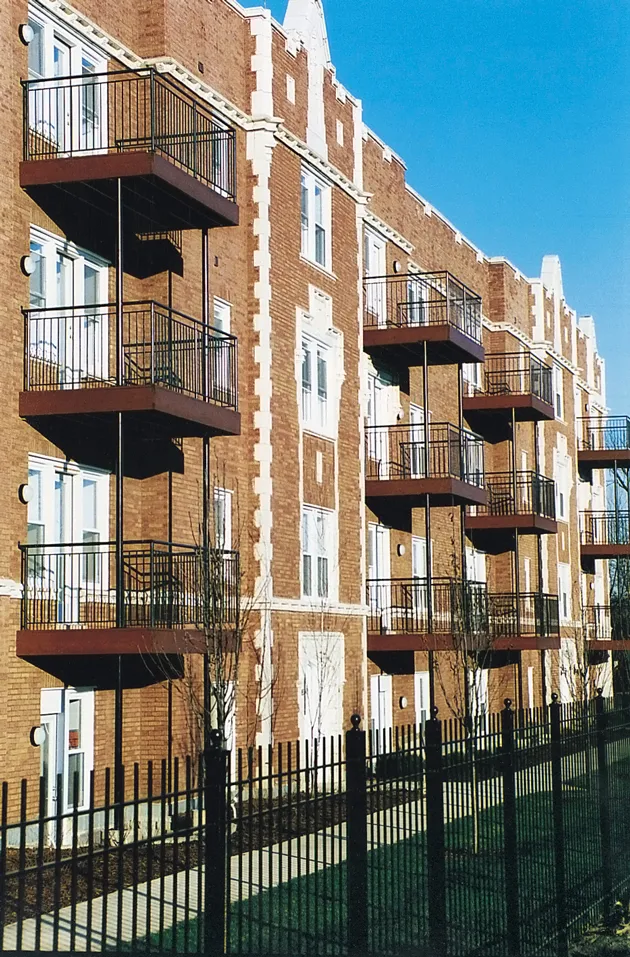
<point x="205" y="531"/>
<point x="427" y="519"/>
<point x="120" y="577"/>
<point x="616" y="495"/>
<point x="517" y="562"/>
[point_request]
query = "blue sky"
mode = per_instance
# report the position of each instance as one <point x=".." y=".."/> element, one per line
<point x="513" y="117"/>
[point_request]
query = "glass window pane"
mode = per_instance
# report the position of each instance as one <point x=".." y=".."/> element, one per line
<point x="322" y="577"/>
<point x="320" y="245"/>
<point x="322" y="375"/>
<point x="90" y="518"/>
<point x="35" y="504"/>
<point x="73" y="717"/>
<point x="304" y="215"/>
<point x="36" y="50"/>
<point x="75" y="778"/>
<point x="38" y="278"/>
<point x="319" y="204"/>
<point x="92" y="558"/>
<point x="306" y="574"/>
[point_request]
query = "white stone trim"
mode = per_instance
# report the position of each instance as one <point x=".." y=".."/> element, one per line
<point x="387" y="232"/>
<point x="306" y="606"/>
<point x="10" y="588"/>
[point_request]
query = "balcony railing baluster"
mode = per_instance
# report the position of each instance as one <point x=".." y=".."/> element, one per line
<point x="535" y="495"/>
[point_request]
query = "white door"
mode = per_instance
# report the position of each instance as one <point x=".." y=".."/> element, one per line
<point x="49" y="767"/>
<point x="379" y="574"/>
<point x="382" y="712"/>
<point x="478" y="692"/>
<point x="419" y="574"/>
<point x="375" y="292"/>
<point x="320" y="687"/>
<point x="417" y="462"/>
<point x="378" y="416"/>
<point x="417" y="309"/>
<point x="422" y="697"/>
<point x="67" y="755"/>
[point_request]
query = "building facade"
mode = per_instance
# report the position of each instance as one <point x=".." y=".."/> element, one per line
<point x="237" y="331"/>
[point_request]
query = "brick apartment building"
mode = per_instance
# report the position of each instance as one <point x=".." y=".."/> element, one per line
<point x="222" y="298"/>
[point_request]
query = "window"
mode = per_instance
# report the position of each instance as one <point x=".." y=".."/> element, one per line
<point x="36" y="66"/>
<point x="562" y="488"/>
<point x="222" y="315"/>
<point x="222" y="519"/>
<point x="76" y="756"/>
<point x="472" y="376"/>
<point x="564" y="591"/>
<point x="314" y="384"/>
<point x="558" y="393"/>
<point x="316" y="552"/>
<point x="92" y="560"/>
<point x="315" y="218"/>
<point x="290" y="89"/>
<point x="36" y="530"/>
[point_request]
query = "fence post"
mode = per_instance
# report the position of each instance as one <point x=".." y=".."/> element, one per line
<point x="356" y="773"/>
<point x="436" y="861"/>
<point x="510" y="831"/>
<point x="601" y="719"/>
<point x="215" y="846"/>
<point x="558" y="827"/>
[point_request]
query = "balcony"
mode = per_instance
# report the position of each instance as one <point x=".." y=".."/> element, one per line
<point x="176" y="160"/>
<point x="459" y="616"/>
<point x="510" y="382"/>
<point x="603" y="441"/>
<point x="607" y="627"/>
<point x="604" y="534"/>
<point x="179" y="379"/>
<point x="402" y="313"/>
<point x="527" y="505"/>
<point x="402" y="470"/>
<point x="69" y="604"/>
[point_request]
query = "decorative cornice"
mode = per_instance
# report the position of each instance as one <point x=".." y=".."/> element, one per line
<point x="330" y="172"/>
<point x="297" y="606"/>
<point x="388" y="232"/>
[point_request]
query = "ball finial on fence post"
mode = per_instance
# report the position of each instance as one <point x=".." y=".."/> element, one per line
<point x="508" y="703"/>
<point x="355" y="721"/>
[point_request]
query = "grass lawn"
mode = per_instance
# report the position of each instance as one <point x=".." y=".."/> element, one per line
<point x="308" y="914"/>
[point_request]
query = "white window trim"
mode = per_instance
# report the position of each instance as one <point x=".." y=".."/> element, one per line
<point x="330" y="553"/>
<point x="308" y="244"/>
<point x="219" y="305"/>
<point x="329" y="339"/>
<point x="226" y="495"/>
<point x="564" y="587"/>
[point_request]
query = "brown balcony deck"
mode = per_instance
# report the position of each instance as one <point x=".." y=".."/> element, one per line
<point x="402" y="313"/>
<point x="532" y="511"/>
<point x="603" y="441"/>
<point x="604" y="534"/>
<point x="511" y="381"/>
<point x="83" y="133"/>
<point x="70" y="606"/>
<point x="178" y="380"/>
<point x="607" y="627"/>
<point x="460" y="615"/>
<point x="399" y="471"/>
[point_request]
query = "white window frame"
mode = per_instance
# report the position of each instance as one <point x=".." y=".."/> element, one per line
<point x="223" y="515"/>
<point x="319" y="545"/>
<point x="315" y="404"/>
<point x="562" y="487"/>
<point x="564" y="592"/>
<point x="320" y="254"/>
<point x="558" y="392"/>
<point x="64" y="342"/>
<point x="422" y="702"/>
<point x="222" y="315"/>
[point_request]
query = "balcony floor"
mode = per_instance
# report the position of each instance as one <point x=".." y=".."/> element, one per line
<point x="158" y="196"/>
<point x="524" y="524"/>
<point x="151" y="409"/>
<point x="610" y="644"/>
<point x="404" y="345"/>
<point x="109" y="641"/>
<point x="602" y="458"/>
<point x="412" y="492"/>
<point x="377" y="642"/>
<point x="604" y="551"/>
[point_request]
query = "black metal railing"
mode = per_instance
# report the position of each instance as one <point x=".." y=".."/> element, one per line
<point x="534" y="495"/>
<point x="608" y="622"/>
<point x="374" y="840"/>
<point x="421" y="299"/>
<point x="128" y="111"/>
<point x="74" y="347"/>
<point x="515" y="373"/>
<point x="399" y="452"/>
<point x="449" y="606"/>
<point x="165" y="585"/>
<point x="600" y="433"/>
<point x="604" y="528"/>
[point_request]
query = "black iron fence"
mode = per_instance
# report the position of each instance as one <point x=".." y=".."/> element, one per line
<point x="74" y="347"/>
<point x="400" y="452"/>
<point x="421" y="299"/>
<point x="608" y="622"/>
<point x="604" y="528"/>
<point x="503" y="835"/>
<point x="603" y="432"/>
<point x="516" y="373"/>
<point x="528" y="494"/>
<point x="165" y="585"/>
<point x="128" y="111"/>
<point x="461" y="609"/>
